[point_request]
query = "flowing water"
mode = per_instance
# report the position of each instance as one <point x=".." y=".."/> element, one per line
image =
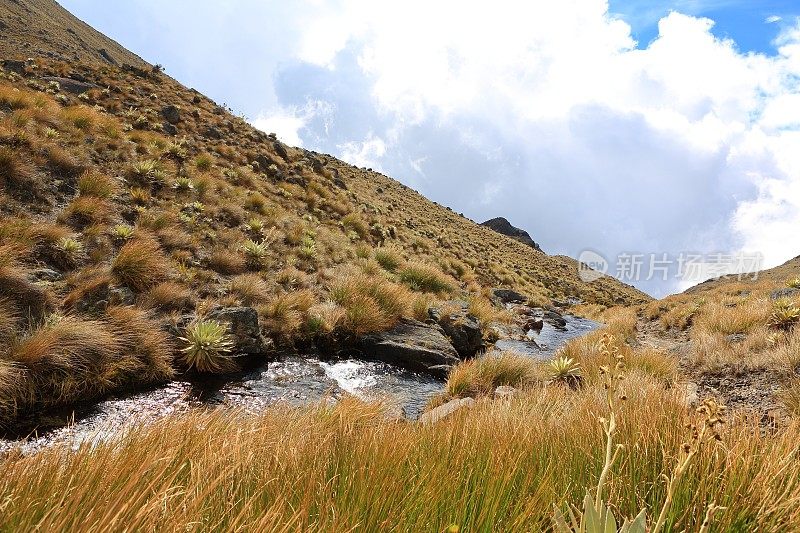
<point x="291" y="379"/>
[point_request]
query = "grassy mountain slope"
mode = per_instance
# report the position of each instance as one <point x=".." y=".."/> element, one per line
<point x="128" y="201"/>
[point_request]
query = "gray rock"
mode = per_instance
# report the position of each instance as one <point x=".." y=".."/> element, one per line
<point x="413" y="345"/>
<point x="509" y="296"/>
<point x="212" y="133"/>
<point x="71" y="85"/>
<point x="505" y="391"/>
<point x="171" y="114"/>
<point x="169" y="129"/>
<point x="243" y="327"/>
<point x="784" y="293"/>
<point x="443" y="411"/>
<point x="264" y="162"/>
<point x="735" y="338"/>
<point x="45" y="274"/>
<point x="463" y="329"/>
<point x="105" y="55"/>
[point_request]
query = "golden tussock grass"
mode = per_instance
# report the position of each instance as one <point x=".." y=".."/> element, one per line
<point x="482" y="375"/>
<point x="251" y="289"/>
<point x="140" y="264"/>
<point x="371" y="303"/>
<point x="170" y="296"/>
<point x="426" y="278"/>
<point x="285" y="314"/>
<point x="218" y="470"/>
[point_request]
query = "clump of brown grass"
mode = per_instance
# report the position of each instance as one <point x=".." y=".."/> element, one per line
<point x="170" y="296"/>
<point x="17" y="175"/>
<point x="426" y="278"/>
<point x="250" y="288"/>
<point x="93" y="183"/>
<point x="225" y="262"/>
<point x="143" y="340"/>
<point x="371" y="303"/>
<point x="482" y="375"/>
<point x="140" y="264"/>
<point x="284" y="315"/>
<point x="86" y="210"/>
<point x="30" y="300"/>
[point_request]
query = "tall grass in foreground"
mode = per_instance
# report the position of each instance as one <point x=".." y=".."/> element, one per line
<point x="501" y="466"/>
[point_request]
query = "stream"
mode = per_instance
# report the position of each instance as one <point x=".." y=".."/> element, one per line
<point x="291" y="379"/>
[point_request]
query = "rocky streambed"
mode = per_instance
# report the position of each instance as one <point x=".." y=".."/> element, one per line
<point x="377" y="371"/>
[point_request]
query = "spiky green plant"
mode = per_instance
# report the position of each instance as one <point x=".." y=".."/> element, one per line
<point x="208" y="347"/>
<point x="122" y="232"/>
<point x="254" y="226"/>
<point x="564" y="369"/>
<point x="794" y="283"/>
<point x="255" y="252"/>
<point x="785" y="314"/>
<point x="182" y="183"/>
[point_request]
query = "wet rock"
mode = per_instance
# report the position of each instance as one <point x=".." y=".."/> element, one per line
<point x="243" y="327"/>
<point x="463" y="329"/>
<point x="555" y="319"/>
<point x="171" y="114"/>
<point x="443" y="411"/>
<point x="505" y="391"/>
<point x="506" y="296"/>
<point x="784" y="293"/>
<point x="413" y="345"/>
<point x="533" y="324"/>
<point x="71" y="85"/>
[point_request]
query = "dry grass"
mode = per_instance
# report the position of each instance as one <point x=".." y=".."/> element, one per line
<point x="251" y="289"/>
<point x="371" y="303"/>
<point x="170" y="296"/>
<point x="284" y="315"/>
<point x="500" y="466"/>
<point x="140" y="264"/>
<point x="93" y="183"/>
<point x="482" y="375"/>
<point x="31" y="300"/>
<point x="426" y="278"/>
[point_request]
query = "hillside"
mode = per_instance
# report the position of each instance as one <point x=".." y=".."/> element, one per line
<point x="150" y="241"/>
<point x="131" y="204"/>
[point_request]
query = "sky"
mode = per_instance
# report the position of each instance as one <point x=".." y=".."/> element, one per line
<point x="661" y="135"/>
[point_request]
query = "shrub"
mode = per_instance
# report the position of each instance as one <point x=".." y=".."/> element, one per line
<point x="207" y="347"/>
<point x="140" y="264"/>
<point x="564" y="369"/>
<point x="425" y="278"/>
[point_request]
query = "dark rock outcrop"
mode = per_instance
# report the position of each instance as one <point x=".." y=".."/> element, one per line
<point x="506" y="296"/>
<point x="463" y="329"/>
<point x="243" y="327"/>
<point x="171" y="114"/>
<point x="413" y="345"/>
<point x="503" y="226"/>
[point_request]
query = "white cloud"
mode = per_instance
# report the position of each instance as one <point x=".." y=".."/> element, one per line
<point x="287" y="122"/>
<point x="548" y="113"/>
<point x="772" y="19"/>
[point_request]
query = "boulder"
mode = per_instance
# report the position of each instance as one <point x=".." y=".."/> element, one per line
<point x="71" y="85"/>
<point x="506" y="296"/>
<point x="14" y="65"/>
<point x="463" y="329"/>
<point x="412" y="345"/>
<point x="280" y="150"/>
<point x="443" y="411"/>
<point x="169" y="129"/>
<point x="171" y="114"/>
<point x="212" y="133"/>
<point x="243" y="327"/>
